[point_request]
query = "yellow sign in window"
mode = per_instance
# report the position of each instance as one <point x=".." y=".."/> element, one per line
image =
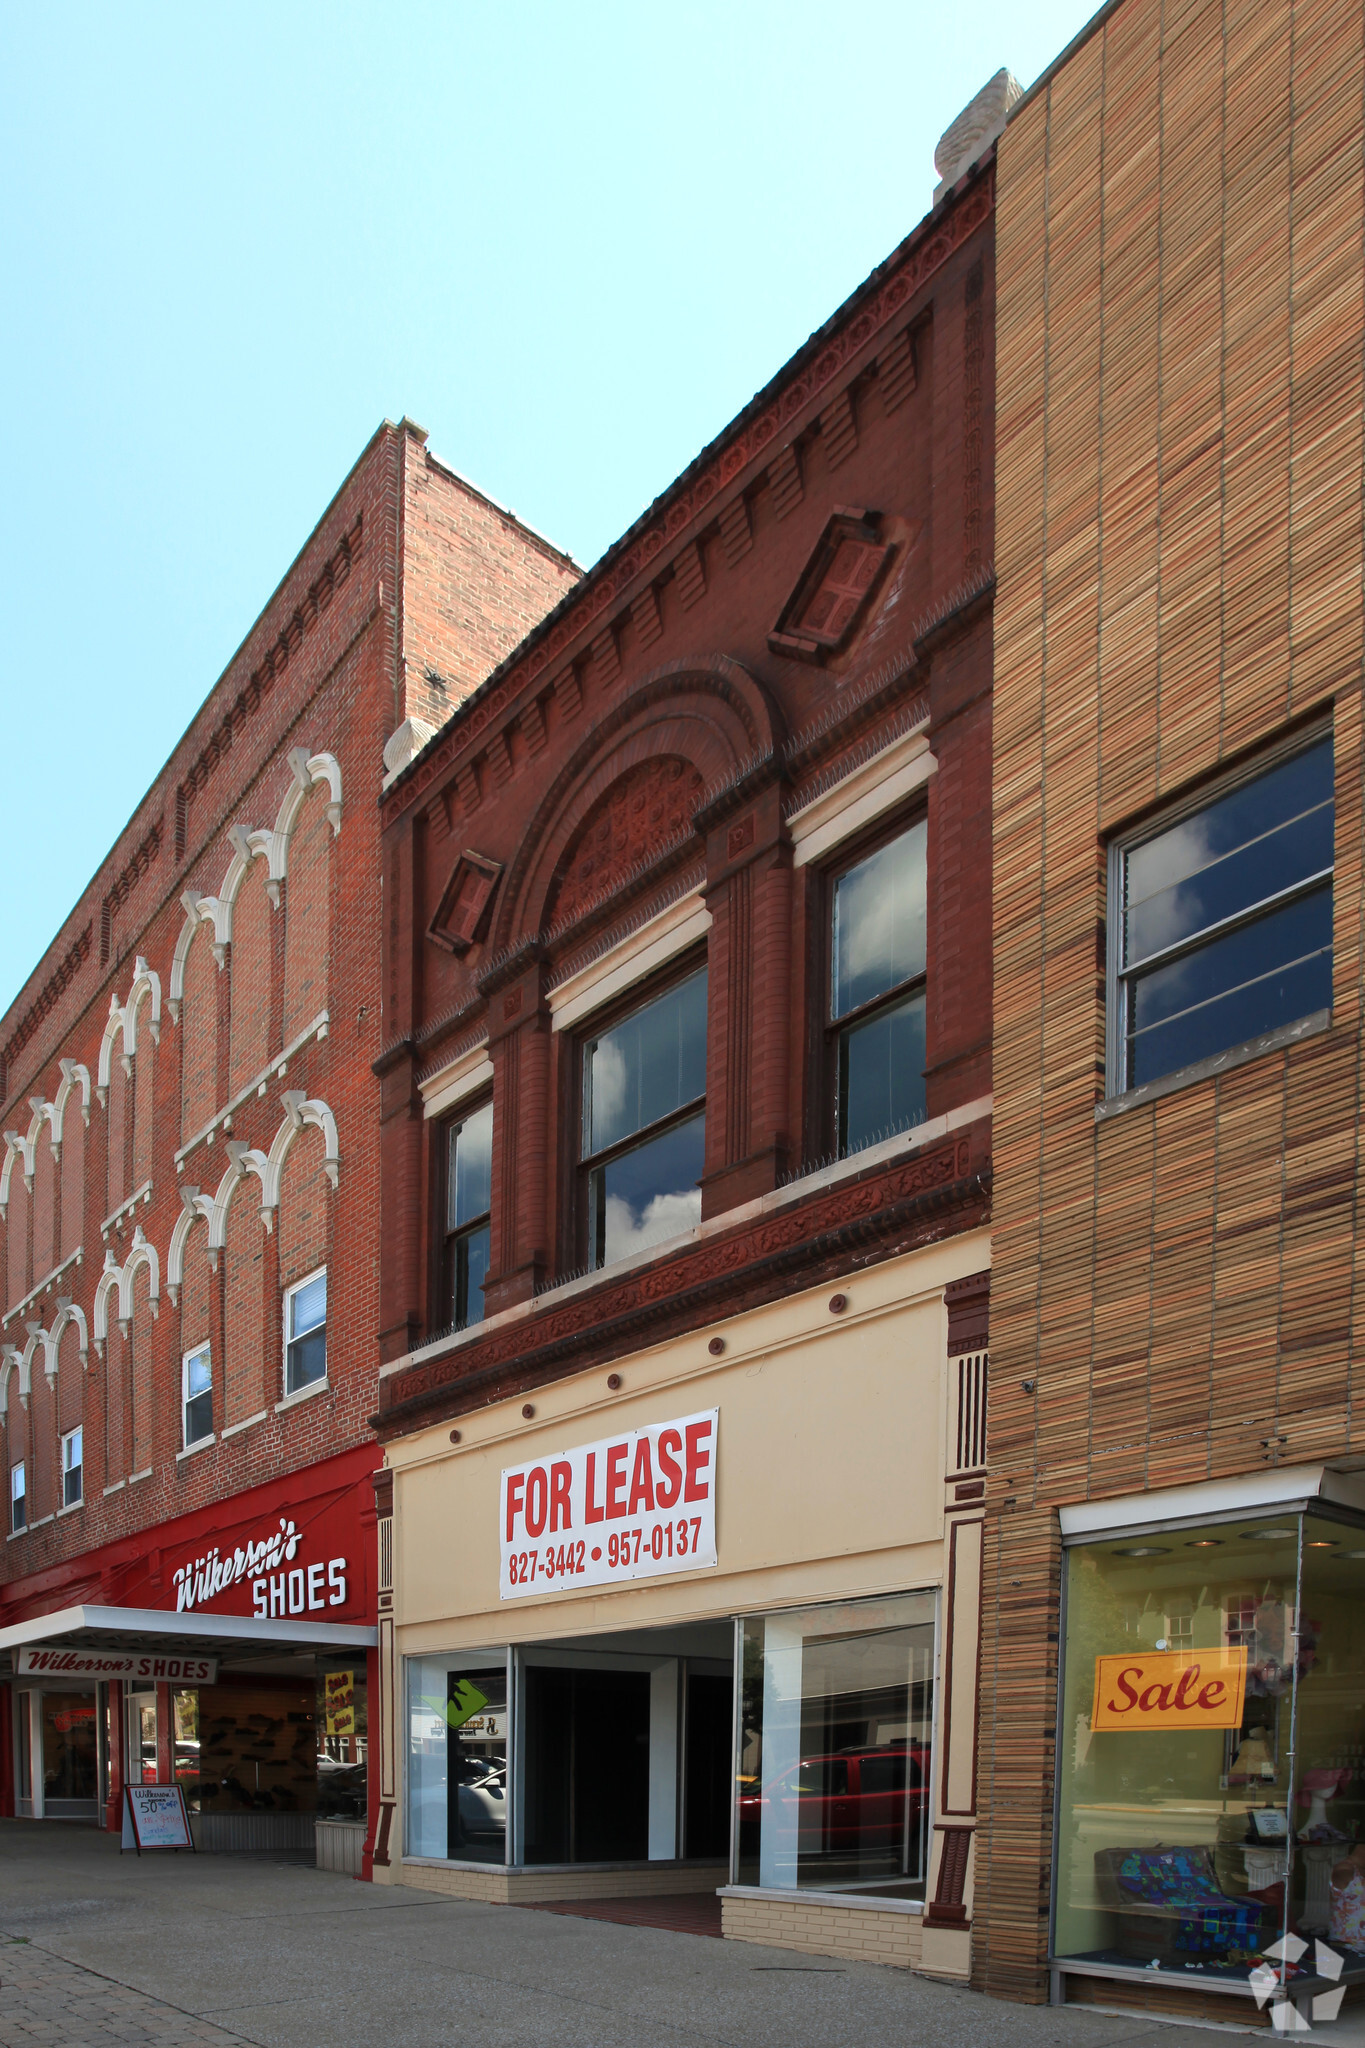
<point x="1164" y="1690"/>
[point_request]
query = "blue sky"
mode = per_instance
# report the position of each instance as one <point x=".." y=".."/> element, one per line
<point x="570" y="241"/>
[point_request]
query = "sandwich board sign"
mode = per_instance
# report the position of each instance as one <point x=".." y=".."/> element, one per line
<point x="154" y="1817"/>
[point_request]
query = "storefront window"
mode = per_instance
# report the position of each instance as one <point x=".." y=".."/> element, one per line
<point x="1211" y="1747"/>
<point x="834" y="1779"/>
<point x="342" y="1741"/>
<point x="185" y="1722"/>
<point x="457" y="1758"/>
<point x="257" y="1749"/>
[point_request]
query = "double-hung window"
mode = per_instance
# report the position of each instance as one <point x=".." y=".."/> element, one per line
<point x="877" y="968"/>
<point x="468" y="1182"/>
<point x="305" y="1333"/>
<point x="72" y="1463"/>
<point x="1221" y="919"/>
<point x="197" y="1396"/>
<point x="18" y="1498"/>
<point x="644" y="1123"/>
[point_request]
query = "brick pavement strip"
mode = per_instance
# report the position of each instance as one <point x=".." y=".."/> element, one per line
<point x="46" y="2000"/>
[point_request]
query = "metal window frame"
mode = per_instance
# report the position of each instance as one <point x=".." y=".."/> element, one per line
<point x="78" y="1468"/>
<point x="1118" y="973"/>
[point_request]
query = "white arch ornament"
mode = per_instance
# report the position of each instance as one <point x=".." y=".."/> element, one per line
<point x="119" y="1279"/>
<point x="68" y="1315"/>
<point x="193" y="1204"/>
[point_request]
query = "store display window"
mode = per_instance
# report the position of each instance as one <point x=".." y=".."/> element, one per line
<point x="247" y="1748"/>
<point x="457" y="1757"/>
<point x="343" y="1739"/>
<point x="1211" y="1751"/>
<point x="833" y="1786"/>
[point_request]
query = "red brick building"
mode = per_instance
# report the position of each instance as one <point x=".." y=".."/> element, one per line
<point x="685" y="1163"/>
<point x="189" y="1195"/>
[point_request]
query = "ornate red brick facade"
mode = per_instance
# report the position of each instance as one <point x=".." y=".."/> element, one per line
<point x="656" y="743"/>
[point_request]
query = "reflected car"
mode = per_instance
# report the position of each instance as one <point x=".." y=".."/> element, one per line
<point x="483" y="1805"/>
<point x="845" y="1804"/>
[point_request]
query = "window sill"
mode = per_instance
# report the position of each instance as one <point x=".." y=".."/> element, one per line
<point x="236" y="1428"/>
<point x="117" y="1487"/>
<point x="201" y="1443"/>
<point x="134" y="1477"/>
<point x="857" y="1902"/>
<point x="29" y="1528"/>
<point x="303" y="1394"/>
<point x="1218" y="1063"/>
<point x="72" y="1508"/>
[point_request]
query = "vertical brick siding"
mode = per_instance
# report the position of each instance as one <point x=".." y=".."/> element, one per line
<point x="1179" y="553"/>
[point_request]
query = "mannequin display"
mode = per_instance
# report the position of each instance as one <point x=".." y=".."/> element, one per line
<point x="1315" y="1789"/>
<point x="1346" y="1886"/>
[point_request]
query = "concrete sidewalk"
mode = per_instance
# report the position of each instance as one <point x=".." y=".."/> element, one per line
<point x="181" y="1951"/>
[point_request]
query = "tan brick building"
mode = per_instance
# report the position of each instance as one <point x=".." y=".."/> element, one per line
<point x="1175" y="1440"/>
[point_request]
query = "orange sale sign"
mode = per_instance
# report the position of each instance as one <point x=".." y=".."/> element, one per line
<point x="1164" y="1690"/>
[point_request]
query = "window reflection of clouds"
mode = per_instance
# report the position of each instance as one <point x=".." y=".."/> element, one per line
<point x="879" y="921"/>
<point x="609" y="1083"/>
<point x="664" y="1216"/>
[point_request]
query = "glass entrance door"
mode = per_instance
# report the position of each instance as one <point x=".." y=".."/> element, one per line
<point x="142" y="1736"/>
<point x="69" y="1770"/>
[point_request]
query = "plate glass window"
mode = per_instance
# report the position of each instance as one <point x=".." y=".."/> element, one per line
<point x="72" y="1462"/>
<point x="834" y="1780"/>
<point x="644" y="1123"/>
<point x="18" y="1497"/>
<point x="305" y="1334"/>
<point x="468" y="1168"/>
<point x="1224" y="921"/>
<point x="878" y="949"/>
<point x="198" y="1396"/>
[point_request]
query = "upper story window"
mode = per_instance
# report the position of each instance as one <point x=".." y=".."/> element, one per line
<point x="18" y="1498"/>
<point x="305" y="1333"/>
<point x="73" y="1468"/>
<point x="197" y="1396"/>
<point x="644" y="1123"/>
<point x="468" y="1176"/>
<point x="1221" y="919"/>
<point x="877" y="965"/>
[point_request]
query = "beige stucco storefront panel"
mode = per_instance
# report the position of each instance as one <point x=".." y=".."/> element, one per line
<point x="829" y="1467"/>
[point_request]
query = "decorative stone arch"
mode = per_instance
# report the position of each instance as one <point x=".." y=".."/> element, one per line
<point x="41" y="1118"/>
<point x="707" y="710"/>
<point x="307" y="770"/>
<point x="16" y="1147"/>
<point x="193" y="1205"/>
<point x="119" y="1279"/>
<point x="146" y="984"/>
<point x="194" y="917"/>
<point x="242" y="1160"/>
<point x="11" y="1362"/>
<point x="69" y="1316"/>
<point x="299" y="1112"/>
<point x="113" y="1028"/>
<point x="74" y="1076"/>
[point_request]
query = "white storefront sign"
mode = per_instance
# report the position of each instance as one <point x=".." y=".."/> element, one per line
<point x="263" y="1562"/>
<point x="633" y="1506"/>
<point x="51" y="1661"/>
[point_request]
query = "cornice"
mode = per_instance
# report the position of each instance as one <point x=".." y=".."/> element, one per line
<point x="894" y="1209"/>
<point x="731" y="463"/>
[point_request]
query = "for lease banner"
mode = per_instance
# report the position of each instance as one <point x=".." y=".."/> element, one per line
<point x="56" y="1662"/>
<point x="633" y="1506"/>
<point x="1164" y="1690"/>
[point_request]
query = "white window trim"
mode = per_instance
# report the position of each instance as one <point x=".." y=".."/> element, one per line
<point x="653" y="945"/>
<point x="871" y="791"/>
<point x="454" y="1084"/>
<point x="1125" y="843"/>
<point x="196" y="1351"/>
<point x="63" y="1441"/>
<point x="288" y="1399"/>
